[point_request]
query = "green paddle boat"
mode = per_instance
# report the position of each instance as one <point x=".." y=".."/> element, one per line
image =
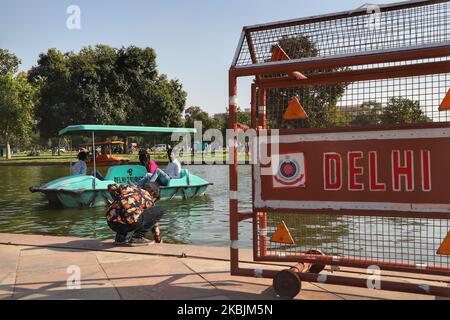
<point x="89" y="191"/>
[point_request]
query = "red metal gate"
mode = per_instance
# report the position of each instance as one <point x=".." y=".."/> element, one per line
<point x="358" y="144"/>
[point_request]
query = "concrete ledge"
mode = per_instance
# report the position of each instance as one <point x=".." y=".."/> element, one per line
<point x="39" y="267"/>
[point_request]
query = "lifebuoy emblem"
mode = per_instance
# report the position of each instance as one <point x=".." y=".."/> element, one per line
<point x="291" y="171"/>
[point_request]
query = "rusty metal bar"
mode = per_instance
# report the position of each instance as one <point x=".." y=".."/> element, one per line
<point x="362" y="213"/>
<point x="434" y="125"/>
<point x="254" y="112"/>
<point x="233" y="172"/>
<point x="358" y="263"/>
<point x="254" y="125"/>
<point x="245" y="216"/>
<point x="374" y="57"/>
<point x="262" y="108"/>
<point x="359" y="75"/>
<point x="238" y="49"/>
<point x="251" y="48"/>
<point x="353" y="282"/>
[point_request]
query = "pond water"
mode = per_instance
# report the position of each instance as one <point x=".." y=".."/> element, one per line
<point x="203" y="220"/>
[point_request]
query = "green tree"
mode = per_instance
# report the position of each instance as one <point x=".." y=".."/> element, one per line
<point x="403" y="111"/>
<point x="58" y="101"/>
<point x="104" y="85"/>
<point x="154" y="99"/>
<point x="195" y="113"/>
<point x="242" y="118"/>
<point x="319" y="101"/>
<point x="17" y="100"/>
<point x="160" y="103"/>
<point x="369" y="113"/>
<point x="9" y="63"/>
<point x="335" y="116"/>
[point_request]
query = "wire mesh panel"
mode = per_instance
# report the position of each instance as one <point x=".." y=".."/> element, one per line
<point x="396" y="91"/>
<point x="408" y="241"/>
<point x="400" y="101"/>
<point x="372" y="28"/>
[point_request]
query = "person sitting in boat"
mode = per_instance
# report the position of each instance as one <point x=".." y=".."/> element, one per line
<point x="147" y="162"/>
<point x="133" y="211"/>
<point x="80" y="167"/>
<point x="173" y="171"/>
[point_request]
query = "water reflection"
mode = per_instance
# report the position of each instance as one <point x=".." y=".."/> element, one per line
<point x="203" y="220"/>
<point x="184" y="218"/>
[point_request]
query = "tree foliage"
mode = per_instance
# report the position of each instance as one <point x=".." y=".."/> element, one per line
<point x="196" y="113"/>
<point x="318" y="101"/>
<point x="242" y="118"/>
<point x="321" y="101"/>
<point x="398" y="110"/>
<point x="220" y="122"/>
<point x="369" y="113"/>
<point x="9" y="63"/>
<point x="17" y="100"/>
<point x="105" y="85"/>
<point x="336" y="117"/>
<point x="403" y="111"/>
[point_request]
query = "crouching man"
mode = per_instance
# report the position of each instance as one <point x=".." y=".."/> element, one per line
<point x="133" y="211"/>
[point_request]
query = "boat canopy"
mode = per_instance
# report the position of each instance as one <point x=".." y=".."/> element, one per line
<point x="122" y="130"/>
<point x="106" y="143"/>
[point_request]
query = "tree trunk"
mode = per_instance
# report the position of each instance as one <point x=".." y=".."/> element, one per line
<point x="8" y="151"/>
<point x="8" y="147"/>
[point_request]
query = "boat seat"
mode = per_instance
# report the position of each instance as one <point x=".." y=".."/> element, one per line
<point x="184" y="179"/>
<point x="98" y="175"/>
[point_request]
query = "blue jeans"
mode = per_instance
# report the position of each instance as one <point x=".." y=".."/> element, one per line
<point x="158" y="176"/>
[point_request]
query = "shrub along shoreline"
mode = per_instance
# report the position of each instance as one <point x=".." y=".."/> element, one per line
<point x="47" y="160"/>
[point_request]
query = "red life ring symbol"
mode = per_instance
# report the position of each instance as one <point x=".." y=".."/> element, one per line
<point x="288" y="173"/>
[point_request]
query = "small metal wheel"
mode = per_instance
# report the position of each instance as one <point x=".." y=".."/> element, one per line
<point x="287" y="284"/>
<point x="316" y="268"/>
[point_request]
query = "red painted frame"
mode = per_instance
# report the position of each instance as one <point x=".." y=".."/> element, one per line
<point x="259" y="122"/>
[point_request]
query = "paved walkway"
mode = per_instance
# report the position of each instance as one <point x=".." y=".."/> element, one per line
<point x="36" y="267"/>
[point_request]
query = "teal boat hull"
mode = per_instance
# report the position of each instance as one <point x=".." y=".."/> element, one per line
<point x="168" y="193"/>
<point x="82" y="191"/>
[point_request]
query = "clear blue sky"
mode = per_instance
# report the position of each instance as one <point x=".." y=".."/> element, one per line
<point x="195" y="40"/>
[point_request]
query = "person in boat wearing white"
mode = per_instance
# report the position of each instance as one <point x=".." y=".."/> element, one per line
<point x="173" y="171"/>
<point x="80" y="167"/>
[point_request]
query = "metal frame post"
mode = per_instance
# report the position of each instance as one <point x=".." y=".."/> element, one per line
<point x="94" y="155"/>
<point x="233" y="175"/>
